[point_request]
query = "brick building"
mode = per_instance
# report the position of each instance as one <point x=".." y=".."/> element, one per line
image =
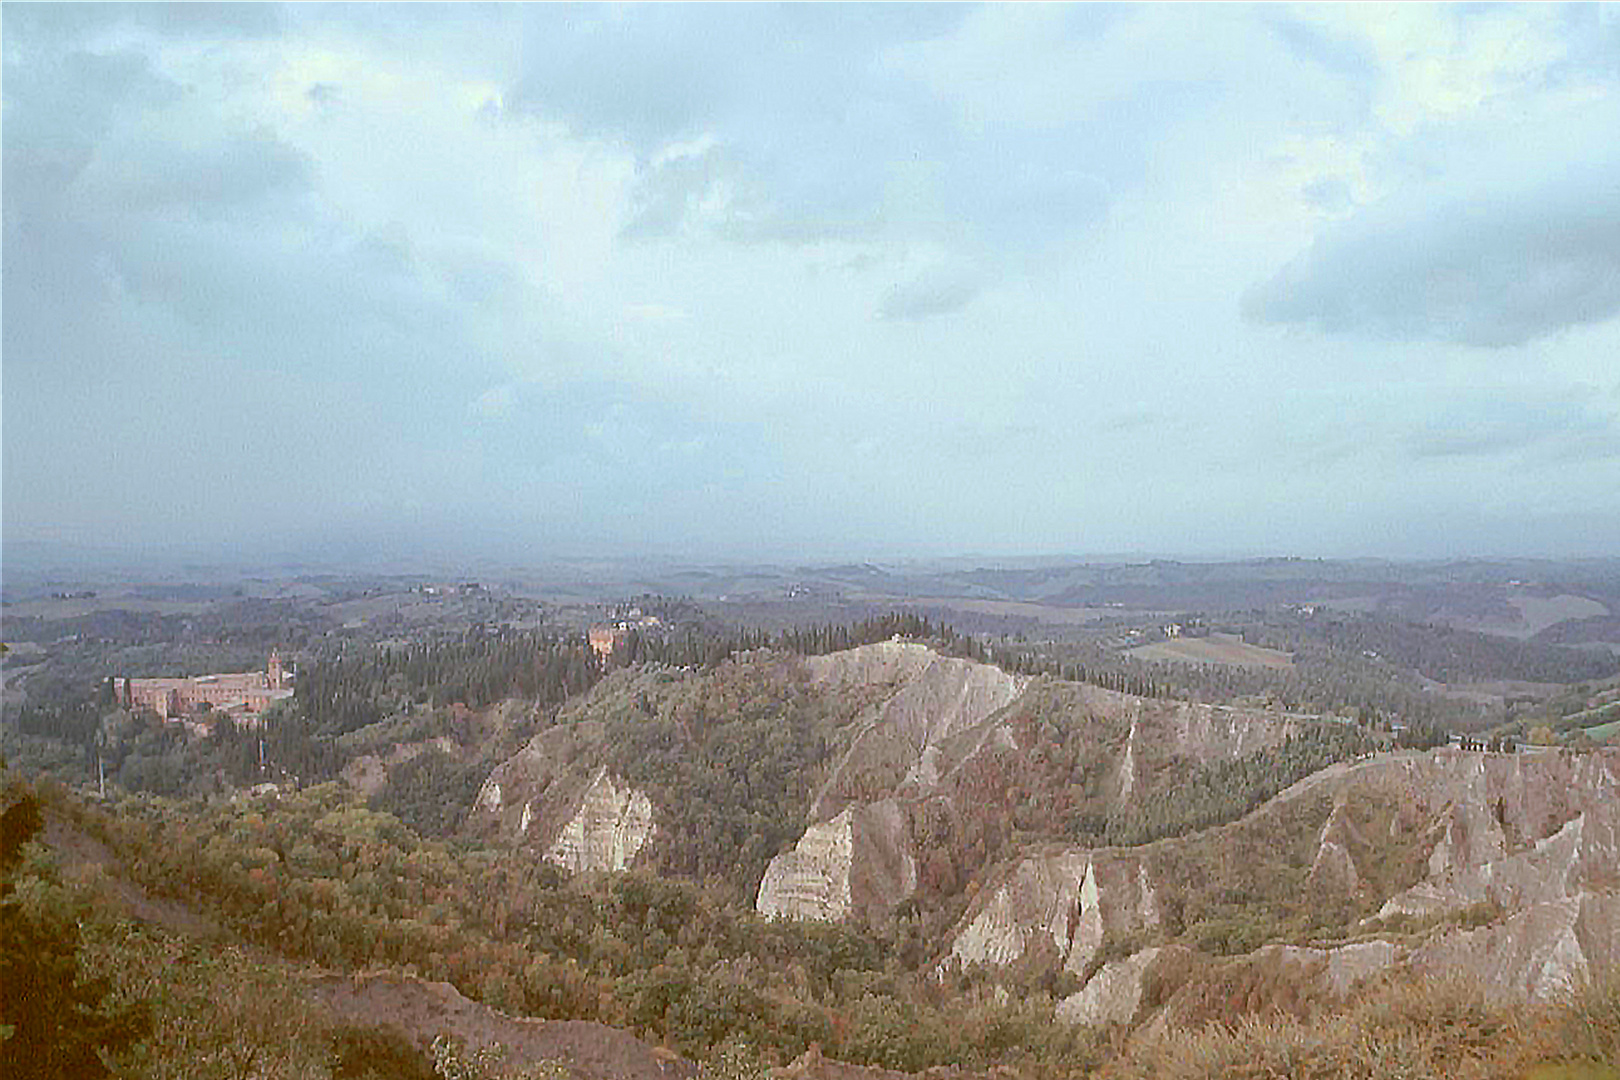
<point x="245" y="694"/>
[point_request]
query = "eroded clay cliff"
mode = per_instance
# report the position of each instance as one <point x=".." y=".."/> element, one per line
<point x="608" y="830"/>
<point x="858" y="859"/>
<point x="539" y="800"/>
<point x="1530" y="843"/>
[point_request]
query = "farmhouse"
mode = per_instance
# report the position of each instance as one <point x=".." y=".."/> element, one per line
<point x="246" y="693"/>
<point x="604" y="639"/>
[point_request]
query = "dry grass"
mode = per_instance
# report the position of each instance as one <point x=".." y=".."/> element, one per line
<point x="1402" y="1031"/>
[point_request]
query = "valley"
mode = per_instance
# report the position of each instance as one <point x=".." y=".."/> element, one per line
<point x="884" y="843"/>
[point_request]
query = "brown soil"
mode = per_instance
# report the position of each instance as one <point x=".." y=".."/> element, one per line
<point x="85" y="859"/>
<point x="422" y="1010"/>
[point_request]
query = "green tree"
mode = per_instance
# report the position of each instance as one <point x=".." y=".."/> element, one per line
<point x="55" y="1021"/>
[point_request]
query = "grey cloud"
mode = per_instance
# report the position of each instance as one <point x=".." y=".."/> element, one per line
<point x="59" y="109"/>
<point x="929" y="295"/>
<point x="235" y="172"/>
<point x="1037" y="206"/>
<point x="1592" y="37"/>
<point x="132" y="216"/>
<point x="1493" y="271"/>
<point x="647" y="79"/>
<point x="1006" y="202"/>
<point x="199" y="20"/>
<point x="977" y="444"/>
<point x="654" y="74"/>
<point x="815" y="136"/>
<point x="629" y="442"/>
<point x="1497" y="439"/>
<point x="762" y="203"/>
<point x="1137" y="420"/>
<point x="209" y="20"/>
<point x="668" y="193"/>
<point x="474" y="363"/>
<point x="74" y="96"/>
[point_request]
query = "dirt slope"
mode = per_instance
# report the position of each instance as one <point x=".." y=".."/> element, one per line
<point x="422" y="1010"/>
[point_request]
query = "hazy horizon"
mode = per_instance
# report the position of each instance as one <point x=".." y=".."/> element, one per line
<point x="811" y="282"/>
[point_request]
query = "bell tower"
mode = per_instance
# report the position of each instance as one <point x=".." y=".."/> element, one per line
<point x="277" y="679"/>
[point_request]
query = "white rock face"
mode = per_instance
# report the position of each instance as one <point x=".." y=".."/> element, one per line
<point x="812" y="880"/>
<point x="1062" y="898"/>
<point x="858" y="859"/>
<point x="1088" y="924"/>
<point x="1350" y="964"/>
<point x="610" y="827"/>
<point x="1148" y="905"/>
<point x="934" y="698"/>
<point x="1040" y="899"/>
<point x="1112" y="996"/>
<point x="1127" y="766"/>
<point x="1221" y="733"/>
<point x="1583" y="853"/>
<point x="1333" y="866"/>
<point x="1535" y="954"/>
<point x="489" y="796"/>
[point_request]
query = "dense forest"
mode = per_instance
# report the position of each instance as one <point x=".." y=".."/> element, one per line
<point x="1435" y="651"/>
<point x="1351" y="665"/>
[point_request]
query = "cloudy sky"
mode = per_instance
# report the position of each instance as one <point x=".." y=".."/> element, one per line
<point x="841" y="280"/>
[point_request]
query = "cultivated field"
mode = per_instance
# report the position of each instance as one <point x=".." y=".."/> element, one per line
<point x="1214" y="649"/>
<point x="1605" y="732"/>
<point x="1536" y="613"/>
<point x="1047" y="613"/>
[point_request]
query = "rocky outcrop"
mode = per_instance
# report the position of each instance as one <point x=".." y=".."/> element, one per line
<point x="859" y="860"/>
<point x="950" y="729"/>
<point x="1536" y="837"/>
<point x="1535" y="954"/>
<point x="812" y="880"/>
<point x="1127" y="764"/>
<point x="1584" y="852"/>
<point x="855" y="857"/>
<point x="1487" y="848"/>
<point x="1222" y="733"/>
<point x="1197" y="989"/>
<point x="577" y="822"/>
<point x="607" y="831"/>
<point x="897" y="742"/>
<point x="1113" y="995"/>
<point x="1068" y="901"/>
<point x="1043" y="897"/>
<point x="1349" y="965"/>
<point x="1334" y="869"/>
<point x="1492" y="801"/>
<point x="368" y="773"/>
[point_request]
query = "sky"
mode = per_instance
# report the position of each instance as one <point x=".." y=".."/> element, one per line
<point x="820" y="280"/>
